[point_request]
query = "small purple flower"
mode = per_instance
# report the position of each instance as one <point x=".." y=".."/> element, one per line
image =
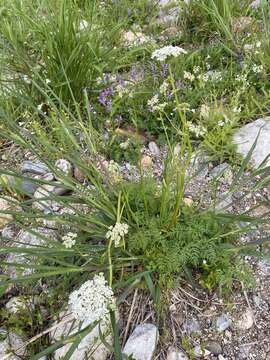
<point x="169" y="95"/>
<point x="129" y="11"/>
<point x="105" y="98"/>
<point x="178" y="84"/>
<point x="164" y="70"/>
<point x="106" y="77"/>
<point x="154" y="72"/>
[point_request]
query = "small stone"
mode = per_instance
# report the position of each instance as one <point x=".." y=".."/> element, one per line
<point x="7" y="204"/>
<point x="200" y="352"/>
<point x="9" y="232"/>
<point x="223" y="322"/>
<point x="48" y="177"/>
<point x="18" y="303"/>
<point x="146" y="161"/>
<point x="78" y="174"/>
<point x="224" y="204"/>
<point x="12" y="343"/>
<point x="221" y="357"/>
<point x="154" y="148"/>
<point x="257" y="301"/>
<point x="219" y="170"/>
<point x="90" y="347"/>
<point x="64" y="166"/>
<point x="264" y="267"/>
<point x="246" y="320"/>
<point x="245" y="137"/>
<point x="37" y="168"/>
<point x="188" y="201"/>
<point x="214" y="347"/>
<point x="28" y="239"/>
<point x="142" y="342"/>
<point x="192" y="326"/>
<point x="15" y="184"/>
<point x="175" y="354"/>
<point x="44" y="196"/>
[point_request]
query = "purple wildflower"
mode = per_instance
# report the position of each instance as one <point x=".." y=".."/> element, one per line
<point x="105" y="98"/>
<point x="164" y="70"/>
<point x="154" y="72"/>
<point x="106" y="77"/>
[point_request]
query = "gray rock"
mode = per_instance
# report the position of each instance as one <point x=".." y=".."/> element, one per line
<point x="37" y="168"/>
<point x="142" y="342"/>
<point x="214" y="347"/>
<point x="199" y="166"/>
<point x="169" y="12"/>
<point x="175" y="354"/>
<point x="27" y="187"/>
<point x="9" y="232"/>
<point x="219" y="170"/>
<point x="154" y="148"/>
<point x="245" y="137"/>
<point x="223" y="322"/>
<point x="63" y="166"/>
<point x="192" y="326"/>
<point x="246" y="320"/>
<point x="90" y="347"/>
<point x="26" y="239"/>
<point x="224" y="203"/>
<point x="45" y="200"/>
<point x="257" y="301"/>
<point x="12" y="343"/>
<point x="23" y="186"/>
<point x="264" y="267"/>
<point x="18" y="303"/>
<point x="200" y="352"/>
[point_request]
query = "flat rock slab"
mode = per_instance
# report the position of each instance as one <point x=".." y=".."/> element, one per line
<point x="245" y="137"/>
<point x="142" y="342"/>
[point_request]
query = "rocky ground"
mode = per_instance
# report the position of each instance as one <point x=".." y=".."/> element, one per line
<point x="199" y="325"/>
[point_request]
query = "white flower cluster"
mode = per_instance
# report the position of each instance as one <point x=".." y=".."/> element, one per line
<point x="189" y="76"/>
<point x="155" y="105"/>
<point x="131" y="38"/>
<point x="124" y="145"/>
<point x="211" y="75"/>
<point x="204" y="111"/>
<point x="69" y="240"/>
<point x="197" y="130"/>
<point x="163" y="53"/>
<point x="117" y="232"/>
<point x="257" y="69"/>
<point x="249" y="47"/>
<point x="93" y="300"/>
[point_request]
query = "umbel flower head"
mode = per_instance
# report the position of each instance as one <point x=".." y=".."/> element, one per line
<point x="69" y="240"/>
<point x="116" y="233"/>
<point x="93" y="300"/>
<point x="163" y="53"/>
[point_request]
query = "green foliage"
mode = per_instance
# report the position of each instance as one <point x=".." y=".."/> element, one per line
<point x="53" y="45"/>
<point x="196" y="239"/>
<point x="123" y="148"/>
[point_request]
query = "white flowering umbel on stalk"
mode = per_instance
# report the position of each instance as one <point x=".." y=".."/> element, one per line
<point x="93" y="300"/>
<point x="69" y="240"/>
<point x="163" y="53"/>
<point x="116" y="233"/>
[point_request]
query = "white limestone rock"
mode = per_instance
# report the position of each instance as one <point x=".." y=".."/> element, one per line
<point x="245" y="137"/>
<point x="90" y="347"/>
<point x="142" y="342"/>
